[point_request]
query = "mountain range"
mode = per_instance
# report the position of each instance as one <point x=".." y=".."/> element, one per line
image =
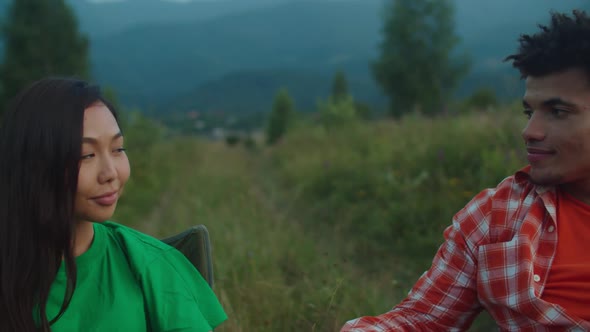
<point x="233" y="55"/>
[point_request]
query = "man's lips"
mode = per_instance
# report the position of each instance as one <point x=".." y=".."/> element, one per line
<point x="536" y="154"/>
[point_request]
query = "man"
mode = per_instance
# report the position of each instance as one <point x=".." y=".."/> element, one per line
<point x="521" y="250"/>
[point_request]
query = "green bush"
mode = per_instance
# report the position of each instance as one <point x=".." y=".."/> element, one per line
<point x="393" y="187"/>
<point x="232" y="140"/>
<point x="280" y="117"/>
<point x="249" y="142"/>
<point x="336" y="112"/>
<point x="481" y="100"/>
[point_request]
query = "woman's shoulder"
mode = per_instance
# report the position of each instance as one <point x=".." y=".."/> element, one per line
<point x="146" y="254"/>
<point x="133" y="236"/>
<point x="171" y="284"/>
<point x="130" y="233"/>
<point x="141" y="249"/>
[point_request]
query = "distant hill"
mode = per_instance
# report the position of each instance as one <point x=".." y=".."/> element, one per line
<point x="162" y="60"/>
<point x="252" y="92"/>
<point x="105" y="18"/>
<point x="215" y="54"/>
<point x="157" y="62"/>
<point x="110" y="17"/>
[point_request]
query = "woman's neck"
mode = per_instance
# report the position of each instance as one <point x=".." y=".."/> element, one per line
<point x="83" y="237"/>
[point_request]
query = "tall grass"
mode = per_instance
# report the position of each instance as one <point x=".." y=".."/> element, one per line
<point x="330" y="223"/>
<point x="392" y="187"/>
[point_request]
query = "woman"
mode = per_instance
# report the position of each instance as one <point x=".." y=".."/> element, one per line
<point x="63" y="265"/>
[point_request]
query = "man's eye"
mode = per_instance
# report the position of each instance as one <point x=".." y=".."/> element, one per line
<point x="120" y="150"/>
<point x="558" y="112"/>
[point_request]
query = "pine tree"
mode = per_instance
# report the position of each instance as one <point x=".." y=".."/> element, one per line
<point x="418" y="67"/>
<point x="280" y="117"/>
<point x="339" y="87"/>
<point x="41" y="39"/>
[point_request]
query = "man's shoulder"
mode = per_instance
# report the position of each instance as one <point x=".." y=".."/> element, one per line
<point x="508" y="193"/>
<point x="495" y="213"/>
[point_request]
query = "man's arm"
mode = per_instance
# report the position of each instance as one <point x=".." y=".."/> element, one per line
<point x="444" y="298"/>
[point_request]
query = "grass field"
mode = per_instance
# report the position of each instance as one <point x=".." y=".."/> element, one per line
<point x="309" y="234"/>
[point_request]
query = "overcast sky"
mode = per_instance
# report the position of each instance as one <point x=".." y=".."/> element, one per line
<point x="180" y="1"/>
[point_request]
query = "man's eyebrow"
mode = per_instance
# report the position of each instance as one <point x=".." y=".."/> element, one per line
<point x="558" y="101"/>
<point x="92" y="140"/>
<point x="552" y="102"/>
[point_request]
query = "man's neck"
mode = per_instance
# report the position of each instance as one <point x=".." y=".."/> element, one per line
<point x="581" y="193"/>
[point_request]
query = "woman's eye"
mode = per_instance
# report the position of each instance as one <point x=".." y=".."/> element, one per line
<point x="87" y="156"/>
<point x="120" y="150"/>
<point x="528" y="113"/>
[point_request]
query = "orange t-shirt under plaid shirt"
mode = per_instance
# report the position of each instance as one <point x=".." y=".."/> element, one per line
<point x="568" y="283"/>
<point x="497" y="256"/>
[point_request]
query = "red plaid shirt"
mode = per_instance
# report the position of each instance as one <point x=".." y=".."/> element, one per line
<point x="496" y="257"/>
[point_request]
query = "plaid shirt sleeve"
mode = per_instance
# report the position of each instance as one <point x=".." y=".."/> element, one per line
<point x="445" y="297"/>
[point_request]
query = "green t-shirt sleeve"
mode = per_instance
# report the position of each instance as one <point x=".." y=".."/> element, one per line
<point x="177" y="297"/>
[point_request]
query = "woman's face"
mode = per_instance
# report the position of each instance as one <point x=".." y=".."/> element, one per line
<point x="104" y="167"/>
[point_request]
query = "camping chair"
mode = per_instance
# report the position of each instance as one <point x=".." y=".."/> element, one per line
<point x="195" y="245"/>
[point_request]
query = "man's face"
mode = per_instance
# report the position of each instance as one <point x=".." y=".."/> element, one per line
<point x="557" y="135"/>
<point x="104" y="167"/>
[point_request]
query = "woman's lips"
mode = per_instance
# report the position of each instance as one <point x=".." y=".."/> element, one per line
<point x="107" y="200"/>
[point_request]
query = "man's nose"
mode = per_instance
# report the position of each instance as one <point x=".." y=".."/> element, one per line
<point x="535" y="130"/>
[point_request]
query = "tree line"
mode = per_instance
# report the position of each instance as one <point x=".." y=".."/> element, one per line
<point x="418" y="66"/>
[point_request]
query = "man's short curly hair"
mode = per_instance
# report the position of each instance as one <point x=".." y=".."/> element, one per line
<point x="564" y="44"/>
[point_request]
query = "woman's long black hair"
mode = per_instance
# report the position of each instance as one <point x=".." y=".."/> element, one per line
<point x="40" y="147"/>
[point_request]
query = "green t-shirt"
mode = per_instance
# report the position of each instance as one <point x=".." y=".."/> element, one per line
<point x="129" y="281"/>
